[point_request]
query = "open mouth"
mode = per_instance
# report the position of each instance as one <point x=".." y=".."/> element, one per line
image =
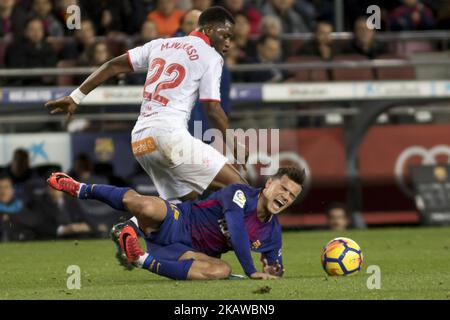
<point x="278" y="204"/>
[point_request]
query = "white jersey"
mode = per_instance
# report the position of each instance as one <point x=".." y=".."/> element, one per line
<point x="180" y="70"/>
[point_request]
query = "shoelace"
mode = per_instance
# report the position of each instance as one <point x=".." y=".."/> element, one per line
<point x="134" y="249"/>
<point x="68" y="185"/>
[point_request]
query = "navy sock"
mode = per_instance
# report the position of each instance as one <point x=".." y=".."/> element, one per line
<point x="110" y="195"/>
<point x="177" y="270"/>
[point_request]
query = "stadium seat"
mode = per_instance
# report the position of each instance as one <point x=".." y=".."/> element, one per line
<point x="408" y="47"/>
<point x="66" y="80"/>
<point x="395" y="73"/>
<point x="352" y="74"/>
<point x="308" y="74"/>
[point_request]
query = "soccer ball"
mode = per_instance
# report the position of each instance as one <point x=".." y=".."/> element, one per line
<point x="342" y="257"/>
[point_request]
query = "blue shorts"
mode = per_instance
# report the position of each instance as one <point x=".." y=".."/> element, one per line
<point x="173" y="238"/>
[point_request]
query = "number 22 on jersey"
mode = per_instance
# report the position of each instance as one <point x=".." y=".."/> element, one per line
<point x="157" y="68"/>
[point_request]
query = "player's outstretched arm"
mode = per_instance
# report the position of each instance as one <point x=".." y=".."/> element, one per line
<point x="240" y="242"/>
<point x="69" y="104"/>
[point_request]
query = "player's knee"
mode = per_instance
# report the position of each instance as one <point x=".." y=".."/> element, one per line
<point x="218" y="271"/>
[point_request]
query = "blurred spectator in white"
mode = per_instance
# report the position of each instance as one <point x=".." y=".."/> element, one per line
<point x="32" y="51"/>
<point x="16" y="221"/>
<point x="188" y="23"/>
<point x="308" y="10"/>
<point x="83" y="38"/>
<point x="166" y="17"/>
<point x="337" y="218"/>
<point x="412" y="15"/>
<point x="111" y="17"/>
<point x="12" y="19"/>
<point x="271" y="26"/>
<point x="244" y="7"/>
<point x="321" y="45"/>
<point x="19" y="170"/>
<point x="201" y="5"/>
<point x="268" y="50"/>
<point x="291" y="20"/>
<point x="60" y="216"/>
<point x="364" y="42"/>
<point x="43" y="10"/>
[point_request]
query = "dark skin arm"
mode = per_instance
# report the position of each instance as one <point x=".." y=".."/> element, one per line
<point x="219" y="120"/>
<point x="107" y="70"/>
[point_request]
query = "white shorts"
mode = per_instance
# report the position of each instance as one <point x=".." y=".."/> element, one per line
<point x="177" y="162"/>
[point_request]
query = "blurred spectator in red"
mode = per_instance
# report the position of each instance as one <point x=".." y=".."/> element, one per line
<point x="242" y="39"/>
<point x="201" y="5"/>
<point x="166" y="17"/>
<point x="60" y="216"/>
<point x="364" y="42"/>
<point x="337" y="218"/>
<point x="321" y="45"/>
<point x="16" y="221"/>
<point x="189" y="23"/>
<point x="412" y="15"/>
<point x="82" y="39"/>
<point x="32" y="51"/>
<point x="241" y="6"/>
<point x="268" y="50"/>
<point x="12" y="19"/>
<point x="43" y="10"/>
<point x="291" y="20"/>
<point x="110" y="16"/>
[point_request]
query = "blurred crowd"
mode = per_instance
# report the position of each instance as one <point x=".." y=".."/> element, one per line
<point x="35" y="34"/>
<point x="31" y="210"/>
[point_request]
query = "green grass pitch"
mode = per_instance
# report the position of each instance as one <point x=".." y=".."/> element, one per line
<point x="414" y="264"/>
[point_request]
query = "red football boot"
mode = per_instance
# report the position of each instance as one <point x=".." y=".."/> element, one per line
<point x="62" y="182"/>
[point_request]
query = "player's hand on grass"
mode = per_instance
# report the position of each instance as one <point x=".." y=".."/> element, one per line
<point x="262" y="276"/>
<point x="273" y="269"/>
<point x="62" y="105"/>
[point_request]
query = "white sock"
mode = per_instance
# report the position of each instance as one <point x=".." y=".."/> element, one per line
<point x="140" y="262"/>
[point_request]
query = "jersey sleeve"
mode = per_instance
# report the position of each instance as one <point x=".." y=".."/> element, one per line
<point x="233" y="201"/>
<point x="209" y="89"/>
<point x="271" y="251"/>
<point x="240" y="240"/>
<point x="138" y="57"/>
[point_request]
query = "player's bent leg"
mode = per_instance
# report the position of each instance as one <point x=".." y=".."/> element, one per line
<point x="149" y="211"/>
<point x="205" y="267"/>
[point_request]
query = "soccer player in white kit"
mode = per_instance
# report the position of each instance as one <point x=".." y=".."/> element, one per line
<point x="180" y="71"/>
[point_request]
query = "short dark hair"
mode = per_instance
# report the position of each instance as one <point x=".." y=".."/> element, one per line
<point x="296" y="174"/>
<point x="215" y="14"/>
